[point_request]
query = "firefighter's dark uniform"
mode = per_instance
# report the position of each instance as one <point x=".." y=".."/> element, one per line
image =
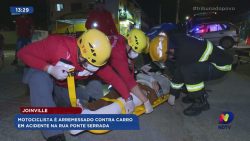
<point x="196" y="61"/>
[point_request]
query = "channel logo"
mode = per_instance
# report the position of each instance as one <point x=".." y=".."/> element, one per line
<point x="225" y="119"/>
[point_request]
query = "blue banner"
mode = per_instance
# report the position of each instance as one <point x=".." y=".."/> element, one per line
<point x="76" y="122"/>
<point x="17" y="10"/>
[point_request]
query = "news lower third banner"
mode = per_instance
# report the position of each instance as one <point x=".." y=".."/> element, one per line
<point x="76" y="122"/>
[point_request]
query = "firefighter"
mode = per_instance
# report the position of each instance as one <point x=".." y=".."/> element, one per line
<point x="121" y="61"/>
<point x="101" y="19"/>
<point x="50" y="60"/>
<point x="121" y="51"/>
<point x="196" y="61"/>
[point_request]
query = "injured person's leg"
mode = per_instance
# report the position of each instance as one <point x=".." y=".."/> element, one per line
<point x="113" y="108"/>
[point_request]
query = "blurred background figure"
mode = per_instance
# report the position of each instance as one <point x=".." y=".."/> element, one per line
<point x="101" y="19"/>
<point x="24" y="29"/>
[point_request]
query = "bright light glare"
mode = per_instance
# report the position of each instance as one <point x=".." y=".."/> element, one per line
<point x="95" y="24"/>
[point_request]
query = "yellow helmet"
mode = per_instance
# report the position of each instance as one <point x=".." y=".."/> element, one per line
<point x="95" y="47"/>
<point x="137" y="40"/>
<point x="158" y="48"/>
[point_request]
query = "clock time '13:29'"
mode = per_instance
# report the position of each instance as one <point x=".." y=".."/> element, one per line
<point x="21" y="9"/>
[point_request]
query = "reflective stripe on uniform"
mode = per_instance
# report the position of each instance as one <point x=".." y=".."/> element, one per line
<point x="223" y="68"/>
<point x="176" y="86"/>
<point x="195" y="87"/>
<point x="207" y="52"/>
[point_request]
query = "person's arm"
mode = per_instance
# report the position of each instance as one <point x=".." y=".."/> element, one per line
<point x="108" y="75"/>
<point x="119" y="62"/>
<point x="35" y="55"/>
<point x="45" y="55"/>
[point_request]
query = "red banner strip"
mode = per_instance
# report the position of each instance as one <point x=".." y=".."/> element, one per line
<point x="50" y="110"/>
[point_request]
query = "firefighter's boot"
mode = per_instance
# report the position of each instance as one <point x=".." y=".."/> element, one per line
<point x="200" y="104"/>
<point x="187" y="99"/>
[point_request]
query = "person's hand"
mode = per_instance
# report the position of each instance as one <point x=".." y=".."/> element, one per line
<point x="59" y="72"/>
<point x="171" y="100"/>
<point x="156" y="86"/>
<point x="129" y="105"/>
<point x="148" y="107"/>
<point x="62" y="64"/>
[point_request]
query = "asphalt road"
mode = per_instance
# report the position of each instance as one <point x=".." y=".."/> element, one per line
<point x="166" y="123"/>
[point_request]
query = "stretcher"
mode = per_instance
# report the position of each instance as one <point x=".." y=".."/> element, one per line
<point x="154" y="98"/>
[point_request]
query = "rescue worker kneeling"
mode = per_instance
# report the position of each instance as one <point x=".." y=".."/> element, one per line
<point x="121" y="60"/>
<point x="51" y="59"/>
<point x="196" y="61"/>
<point x="123" y="50"/>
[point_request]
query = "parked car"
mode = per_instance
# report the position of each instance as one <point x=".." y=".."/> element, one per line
<point x="202" y="18"/>
<point x="224" y="34"/>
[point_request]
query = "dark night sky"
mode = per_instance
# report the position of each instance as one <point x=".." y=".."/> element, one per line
<point x="151" y="8"/>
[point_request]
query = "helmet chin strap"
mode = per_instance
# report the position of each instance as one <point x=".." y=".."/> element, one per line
<point x="79" y="58"/>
